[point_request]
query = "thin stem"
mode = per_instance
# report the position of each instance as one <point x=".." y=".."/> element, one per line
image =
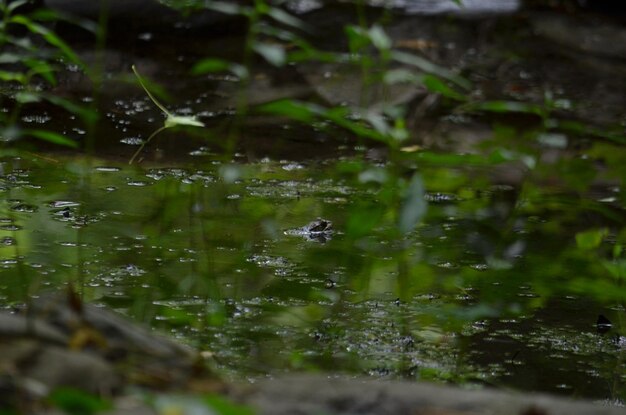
<point x="146" y="142"/>
<point x="152" y="97"/>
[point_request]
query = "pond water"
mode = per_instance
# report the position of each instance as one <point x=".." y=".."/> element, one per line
<point x="482" y="252"/>
<point x="490" y="288"/>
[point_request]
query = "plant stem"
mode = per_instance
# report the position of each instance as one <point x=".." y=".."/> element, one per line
<point x="144" y="144"/>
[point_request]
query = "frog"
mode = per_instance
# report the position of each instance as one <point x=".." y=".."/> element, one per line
<point x="319" y="230"/>
<point x="318" y="226"/>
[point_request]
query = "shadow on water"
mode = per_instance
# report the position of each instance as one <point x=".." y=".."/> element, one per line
<point x="501" y="283"/>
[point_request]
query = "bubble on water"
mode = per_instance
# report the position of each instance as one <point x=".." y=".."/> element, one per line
<point x="107" y="169"/>
<point x="24" y="208"/>
<point x="133" y="141"/>
<point x="57" y="204"/>
<point x="7" y="241"/>
<point x="138" y="183"/>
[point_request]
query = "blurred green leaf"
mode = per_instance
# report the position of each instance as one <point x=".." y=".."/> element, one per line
<point x="55" y="16"/>
<point x="51" y="137"/>
<point x="379" y="38"/>
<point x="285" y="18"/>
<point x="10" y="57"/>
<point x="506" y="107"/>
<point x="225" y="407"/>
<point x="27" y="97"/>
<point x="49" y="36"/>
<point x="363" y="218"/>
<point x="77" y="402"/>
<point x="398" y="76"/>
<point x="617" y="268"/>
<point x="226" y="7"/>
<point x="430" y="67"/>
<point x="11" y="6"/>
<point x="357" y="38"/>
<point x="591" y="239"/>
<point x="434" y="84"/>
<point x="41" y="68"/>
<point x="450" y="159"/>
<point x="8" y="76"/>
<point x="612" y="134"/>
<point x="413" y="206"/>
<point x="210" y="65"/>
<point x="274" y="54"/>
<point x="85" y="113"/>
<point x="295" y="110"/>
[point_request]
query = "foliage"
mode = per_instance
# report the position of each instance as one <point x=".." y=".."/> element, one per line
<point x="26" y="68"/>
<point x="77" y="402"/>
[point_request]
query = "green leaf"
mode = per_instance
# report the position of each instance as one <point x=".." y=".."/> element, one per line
<point x="591" y="239"/>
<point x="77" y="402"/>
<point x="42" y="68"/>
<point x="287" y="19"/>
<point x="226" y="8"/>
<point x="430" y="67"/>
<point x="210" y="65"/>
<point x="379" y="38"/>
<point x="182" y="120"/>
<point x="87" y="114"/>
<point x="506" y="107"/>
<point x="51" y="137"/>
<point x="617" y="268"/>
<point x="434" y="84"/>
<point x="10" y="57"/>
<point x="357" y="38"/>
<point x="152" y="97"/>
<point x="295" y="110"/>
<point x="8" y="76"/>
<point x="54" y="16"/>
<point x="363" y="219"/>
<point x="27" y="97"/>
<point x="49" y="36"/>
<point x="414" y="205"/>
<point x="399" y="76"/>
<point x="226" y="407"/>
<point x="15" y="4"/>
<point x="272" y="53"/>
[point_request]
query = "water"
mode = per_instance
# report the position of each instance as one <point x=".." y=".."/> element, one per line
<point x="489" y="289"/>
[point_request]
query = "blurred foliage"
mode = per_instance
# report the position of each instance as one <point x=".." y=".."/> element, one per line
<point x="31" y="55"/>
<point x="76" y="402"/>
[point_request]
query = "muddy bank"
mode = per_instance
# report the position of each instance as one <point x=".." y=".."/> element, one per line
<point x="56" y="343"/>
<point x="315" y="394"/>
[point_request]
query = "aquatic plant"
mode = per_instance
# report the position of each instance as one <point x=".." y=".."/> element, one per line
<point x="171" y="120"/>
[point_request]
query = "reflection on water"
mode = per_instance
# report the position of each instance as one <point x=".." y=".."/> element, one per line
<point x="489" y="289"/>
